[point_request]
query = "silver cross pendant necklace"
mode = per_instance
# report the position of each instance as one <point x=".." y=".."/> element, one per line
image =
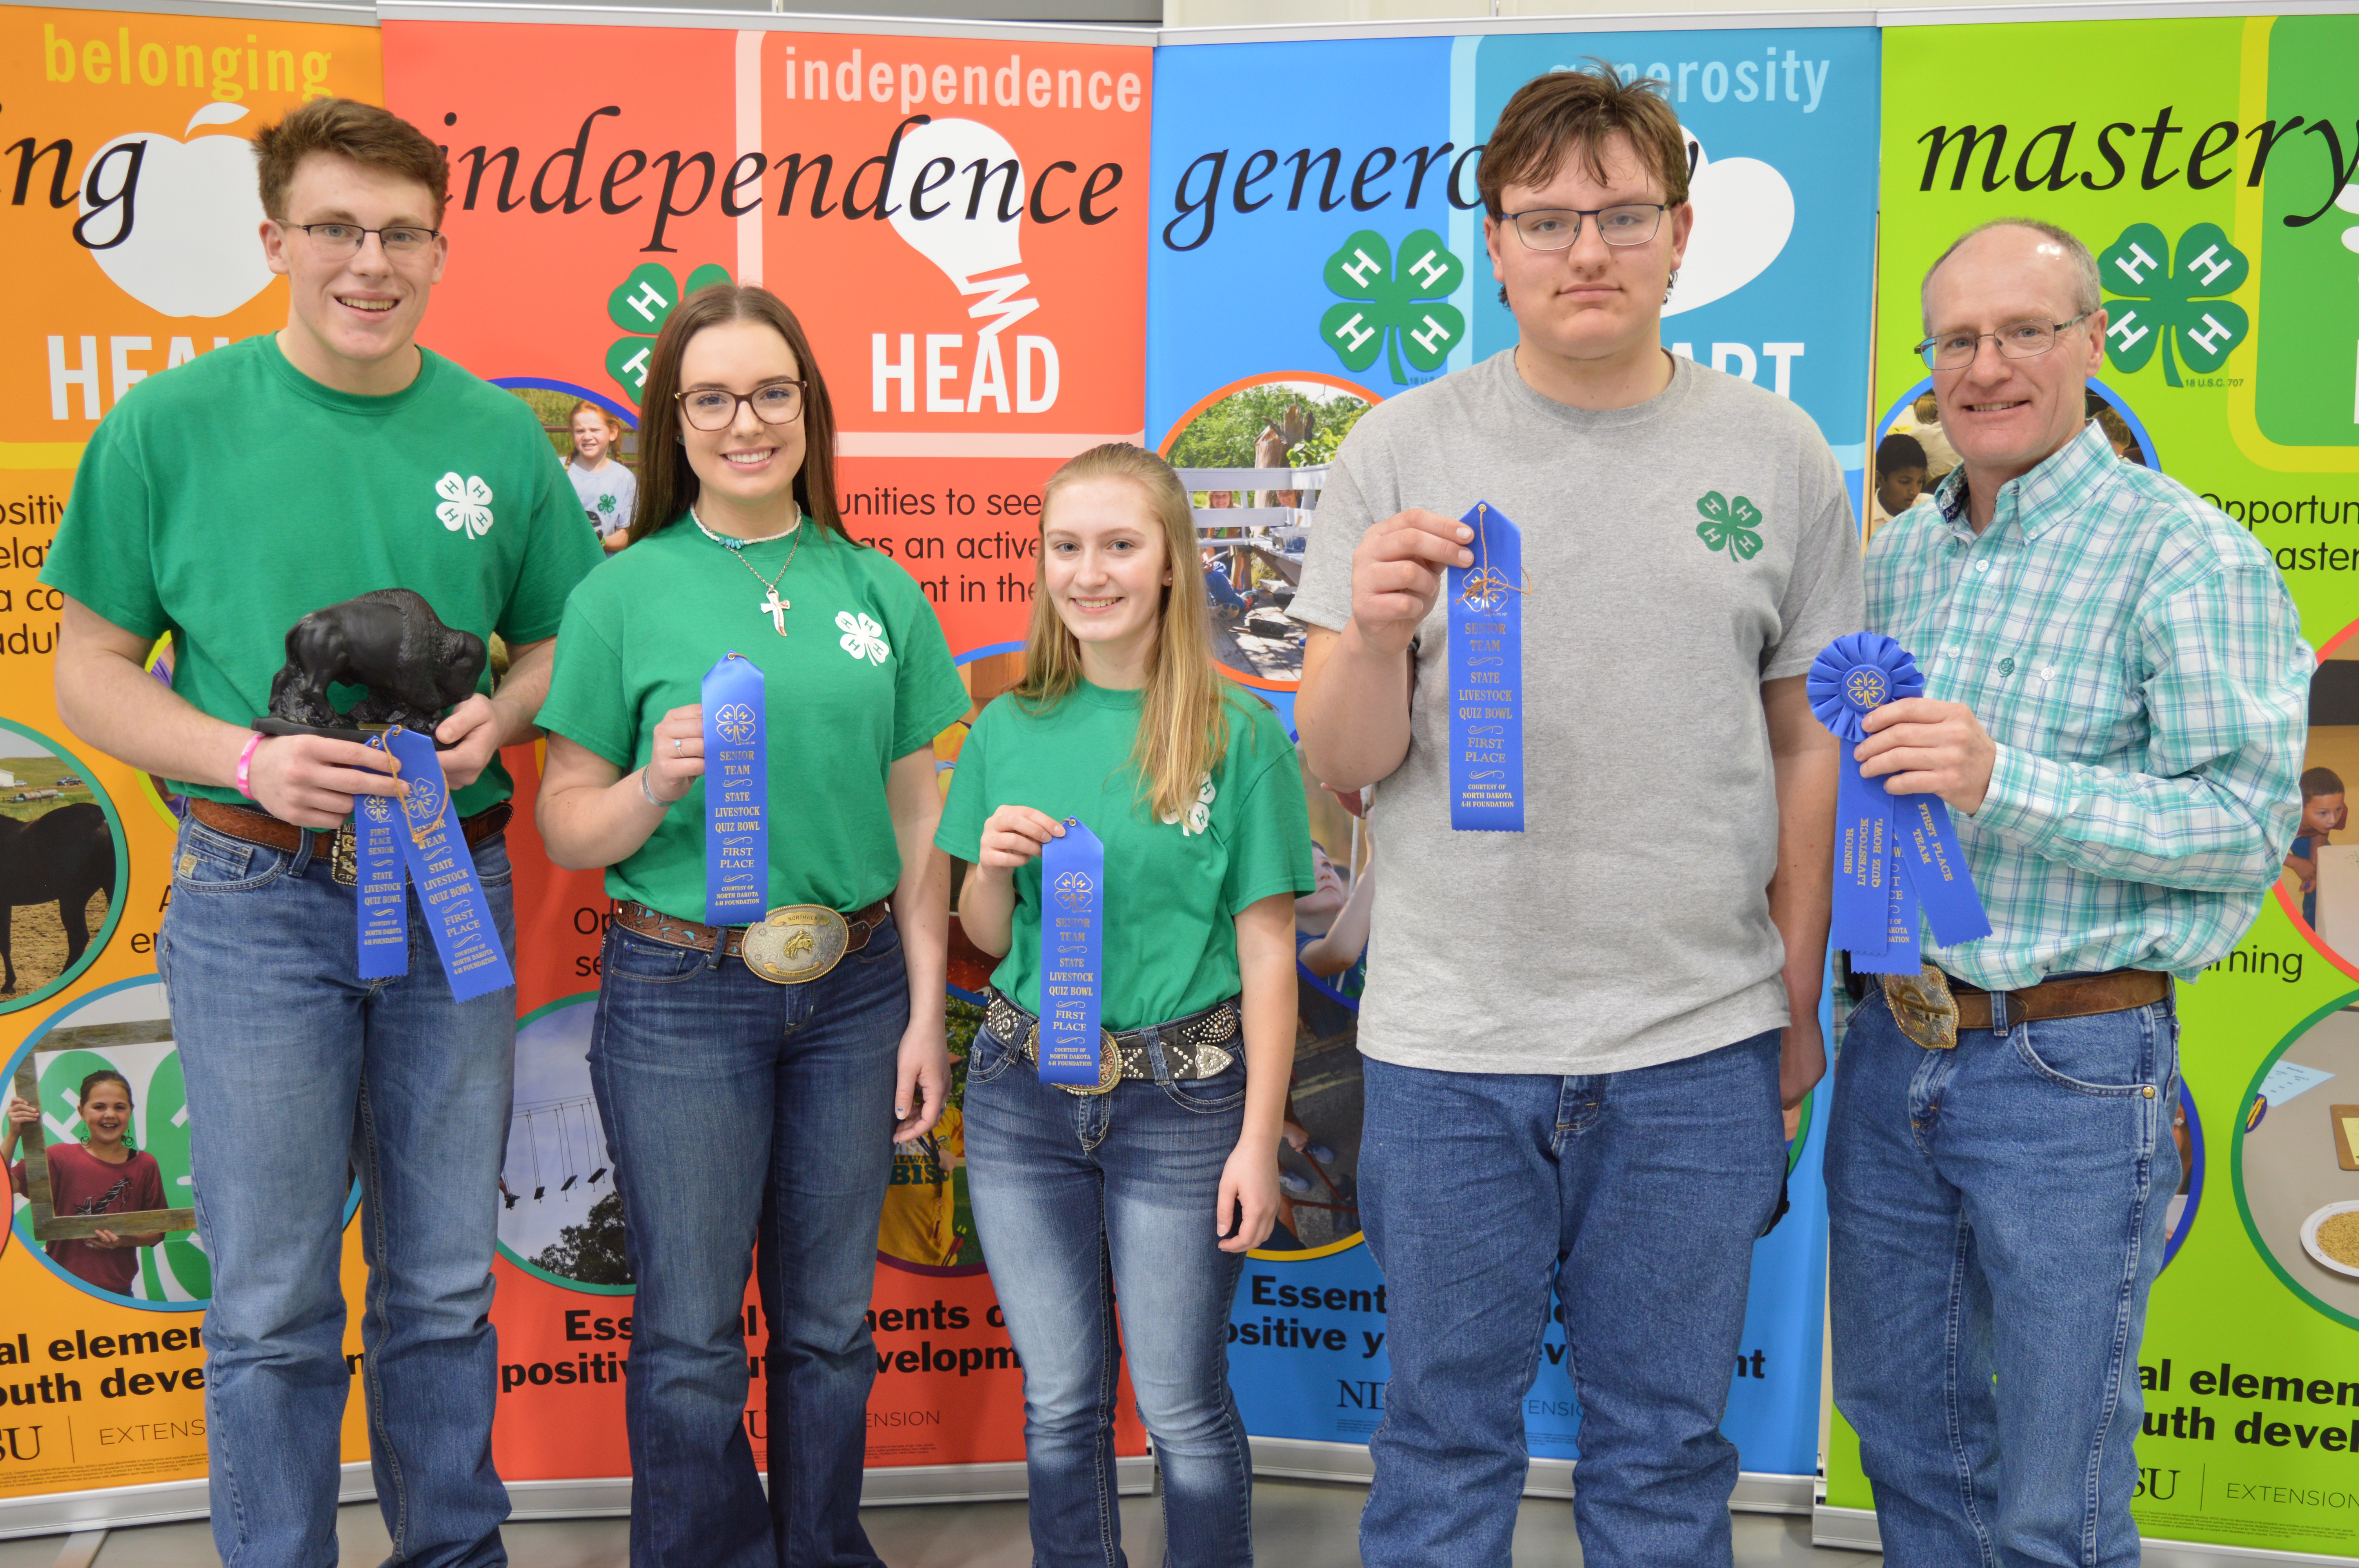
<point x="773" y="606"/>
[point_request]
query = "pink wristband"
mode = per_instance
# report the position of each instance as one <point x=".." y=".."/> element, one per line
<point x="245" y="765"/>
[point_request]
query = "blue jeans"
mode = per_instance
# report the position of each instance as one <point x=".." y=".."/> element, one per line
<point x="1079" y="1198"/>
<point x="1998" y="1211"/>
<point x="300" y="1076"/>
<point x="750" y="1123"/>
<point x="1638" y="1194"/>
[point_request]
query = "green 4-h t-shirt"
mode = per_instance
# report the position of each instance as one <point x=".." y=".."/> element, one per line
<point x="225" y="500"/>
<point x="1173" y="890"/>
<point x="862" y="679"/>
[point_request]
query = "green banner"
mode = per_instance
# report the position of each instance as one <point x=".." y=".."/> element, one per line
<point x="2208" y="178"/>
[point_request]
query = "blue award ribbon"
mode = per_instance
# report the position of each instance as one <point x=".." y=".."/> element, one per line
<point x="736" y="795"/>
<point x="1072" y="904"/>
<point x="383" y="899"/>
<point x="444" y="873"/>
<point x="1486" y="679"/>
<point x="1897" y="856"/>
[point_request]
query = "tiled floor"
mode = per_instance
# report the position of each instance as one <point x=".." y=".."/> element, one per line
<point x="1300" y="1524"/>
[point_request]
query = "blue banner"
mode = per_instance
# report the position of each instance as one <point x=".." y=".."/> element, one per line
<point x="1316" y="247"/>
<point x="1486" y="679"/>
<point x="736" y="794"/>
<point x="1073" y="898"/>
<point x="444" y="873"/>
<point x="379" y="886"/>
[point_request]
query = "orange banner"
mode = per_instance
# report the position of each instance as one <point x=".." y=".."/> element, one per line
<point x="960" y="221"/>
<point x="131" y="232"/>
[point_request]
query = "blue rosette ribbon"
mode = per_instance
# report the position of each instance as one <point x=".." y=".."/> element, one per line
<point x="1896" y="856"/>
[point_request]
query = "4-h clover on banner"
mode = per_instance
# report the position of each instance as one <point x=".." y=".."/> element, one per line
<point x="1399" y="312"/>
<point x="640" y="304"/>
<point x="2152" y="301"/>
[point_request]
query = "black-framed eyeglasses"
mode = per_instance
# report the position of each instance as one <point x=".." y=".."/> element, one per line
<point x="715" y="408"/>
<point x="2017" y="341"/>
<point x="401" y="242"/>
<point x="1556" y="228"/>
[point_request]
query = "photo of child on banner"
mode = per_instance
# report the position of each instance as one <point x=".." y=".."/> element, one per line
<point x="69" y="1139"/>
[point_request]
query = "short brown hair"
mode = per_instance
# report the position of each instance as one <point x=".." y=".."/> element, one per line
<point x="370" y="136"/>
<point x="667" y="485"/>
<point x="1569" y="112"/>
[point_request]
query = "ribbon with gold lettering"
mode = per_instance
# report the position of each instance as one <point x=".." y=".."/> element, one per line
<point x="443" y="872"/>
<point x="736" y="794"/>
<point x="1486" y="679"/>
<point x="381" y="891"/>
<point x="1072" y="920"/>
<point x="1893" y="854"/>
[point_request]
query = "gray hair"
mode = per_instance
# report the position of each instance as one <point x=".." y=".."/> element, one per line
<point x="2087" y="293"/>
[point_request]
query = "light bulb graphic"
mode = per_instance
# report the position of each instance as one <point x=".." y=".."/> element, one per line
<point x="970" y="176"/>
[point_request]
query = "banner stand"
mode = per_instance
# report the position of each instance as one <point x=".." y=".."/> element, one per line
<point x="1302" y="1459"/>
<point x="170" y="1502"/>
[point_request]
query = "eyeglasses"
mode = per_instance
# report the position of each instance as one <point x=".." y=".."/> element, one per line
<point x="337" y="241"/>
<point x="715" y="408"/>
<point x="1556" y="228"/>
<point x="2017" y="341"/>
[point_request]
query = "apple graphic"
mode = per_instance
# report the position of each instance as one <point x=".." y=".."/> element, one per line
<point x="1745" y="215"/>
<point x="192" y="211"/>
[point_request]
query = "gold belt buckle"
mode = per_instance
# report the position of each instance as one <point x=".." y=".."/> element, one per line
<point x="795" y="944"/>
<point x="344" y="863"/>
<point x="1109" y="1061"/>
<point x="1923" y="1008"/>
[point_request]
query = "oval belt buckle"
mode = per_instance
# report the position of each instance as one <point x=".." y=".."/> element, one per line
<point x="795" y="944"/>
<point x="1109" y="1063"/>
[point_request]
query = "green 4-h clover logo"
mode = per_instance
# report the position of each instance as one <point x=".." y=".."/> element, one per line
<point x="640" y="304"/>
<point x="1398" y="312"/>
<point x="1729" y="525"/>
<point x="2154" y="303"/>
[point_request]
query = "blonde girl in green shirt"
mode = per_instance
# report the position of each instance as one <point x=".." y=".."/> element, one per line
<point x="1154" y="1188"/>
<point x="747" y="1118"/>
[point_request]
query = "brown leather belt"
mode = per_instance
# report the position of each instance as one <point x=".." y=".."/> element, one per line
<point x="2116" y="990"/>
<point x="632" y="916"/>
<point x="260" y="828"/>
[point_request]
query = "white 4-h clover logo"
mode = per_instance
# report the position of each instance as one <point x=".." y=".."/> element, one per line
<point x="377" y="807"/>
<point x="862" y="638"/>
<point x="1199" y="815"/>
<point x="466" y="505"/>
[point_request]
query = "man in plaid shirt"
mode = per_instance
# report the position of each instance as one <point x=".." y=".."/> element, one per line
<point x="2116" y="700"/>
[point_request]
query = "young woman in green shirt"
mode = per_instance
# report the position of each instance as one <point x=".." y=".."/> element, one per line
<point x="1167" y="1175"/>
<point x="744" y="1115"/>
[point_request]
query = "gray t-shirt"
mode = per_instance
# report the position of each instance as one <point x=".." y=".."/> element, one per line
<point x="1629" y="924"/>
<point x="607" y="494"/>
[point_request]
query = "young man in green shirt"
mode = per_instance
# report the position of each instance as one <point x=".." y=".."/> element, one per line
<point x="220" y="502"/>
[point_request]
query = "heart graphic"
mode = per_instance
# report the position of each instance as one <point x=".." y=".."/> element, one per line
<point x="186" y="219"/>
<point x="1745" y="215"/>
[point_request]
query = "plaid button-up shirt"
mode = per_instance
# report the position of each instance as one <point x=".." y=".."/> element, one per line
<point x="2136" y="658"/>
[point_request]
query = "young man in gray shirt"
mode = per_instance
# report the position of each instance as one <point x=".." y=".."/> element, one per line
<point x="1578" y="1035"/>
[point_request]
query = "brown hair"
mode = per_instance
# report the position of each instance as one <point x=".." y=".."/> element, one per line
<point x="667" y="486"/>
<point x="1183" y="727"/>
<point x="1568" y="114"/>
<point x="370" y="136"/>
<point x="2321" y="781"/>
<point x="107" y="1076"/>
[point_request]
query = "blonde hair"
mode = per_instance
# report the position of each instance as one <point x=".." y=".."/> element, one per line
<point x="1183" y="727"/>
